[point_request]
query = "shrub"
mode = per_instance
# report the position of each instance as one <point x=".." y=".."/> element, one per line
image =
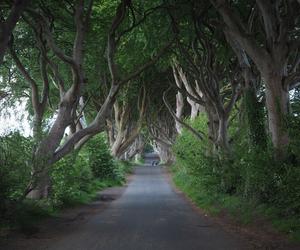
<point x="71" y="180"/>
<point x="99" y="158"/>
<point x="248" y="182"/>
<point x="191" y="154"/>
<point x="15" y="168"/>
<point x="76" y="178"/>
<point x="250" y="172"/>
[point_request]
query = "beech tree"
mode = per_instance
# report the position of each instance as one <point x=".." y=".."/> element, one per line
<point x="251" y="88"/>
<point x="179" y="101"/>
<point x="210" y="78"/>
<point x="125" y="127"/>
<point x="159" y="123"/>
<point x="273" y="52"/>
<point x="54" y="145"/>
<point x="88" y="67"/>
<point x="136" y="149"/>
<point x="162" y="132"/>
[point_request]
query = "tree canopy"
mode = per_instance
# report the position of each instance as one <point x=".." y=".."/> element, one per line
<point x="146" y="72"/>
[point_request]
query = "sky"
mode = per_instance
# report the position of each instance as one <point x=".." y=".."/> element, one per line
<point x="14" y="119"/>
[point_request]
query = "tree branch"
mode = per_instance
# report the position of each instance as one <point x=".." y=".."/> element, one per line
<point x="7" y="27"/>
<point x="148" y="64"/>
<point x="198" y="135"/>
<point x="28" y="78"/>
<point x="237" y="28"/>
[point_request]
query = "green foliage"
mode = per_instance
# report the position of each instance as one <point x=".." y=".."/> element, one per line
<point x="77" y="178"/>
<point x="99" y="158"/>
<point x="71" y="180"/>
<point x="240" y="182"/>
<point x="255" y="118"/>
<point x="294" y="133"/>
<point x="148" y="148"/>
<point x="191" y="155"/>
<point x="124" y="167"/>
<point x="15" y="155"/>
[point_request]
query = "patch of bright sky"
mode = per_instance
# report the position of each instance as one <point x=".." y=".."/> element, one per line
<point x="15" y="119"/>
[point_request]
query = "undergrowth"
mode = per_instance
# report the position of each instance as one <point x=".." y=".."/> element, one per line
<point x="75" y="180"/>
<point x="248" y="184"/>
<point x="240" y="209"/>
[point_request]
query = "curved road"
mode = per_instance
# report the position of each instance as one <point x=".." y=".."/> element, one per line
<point x="149" y="216"/>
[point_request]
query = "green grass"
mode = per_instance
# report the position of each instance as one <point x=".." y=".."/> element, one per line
<point x="239" y="209"/>
<point x="85" y="197"/>
<point x="127" y="166"/>
<point x="140" y="161"/>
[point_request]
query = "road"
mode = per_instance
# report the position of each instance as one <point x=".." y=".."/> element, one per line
<point x="150" y="215"/>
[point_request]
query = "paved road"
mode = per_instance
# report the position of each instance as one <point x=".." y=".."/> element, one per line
<point x="149" y="216"/>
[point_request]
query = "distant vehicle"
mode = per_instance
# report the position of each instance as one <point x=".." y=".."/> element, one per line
<point x="155" y="163"/>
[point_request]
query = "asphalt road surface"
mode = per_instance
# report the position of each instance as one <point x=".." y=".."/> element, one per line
<point x="150" y="215"/>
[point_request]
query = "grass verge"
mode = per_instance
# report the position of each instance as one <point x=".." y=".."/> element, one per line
<point x="239" y="209"/>
<point x="25" y="215"/>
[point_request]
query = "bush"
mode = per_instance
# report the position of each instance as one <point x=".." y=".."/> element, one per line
<point x="71" y="180"/>
<point x="99" y="158"/>
<point x="76" y="178"/>
<point x="191" y="155"/>
<point x="15" y="168"/>
<point x="250" y="174"/>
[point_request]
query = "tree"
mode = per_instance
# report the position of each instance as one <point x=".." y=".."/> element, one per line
<point x="71" y="84"/>
<point x="273" y="54"/>
<point x="209" y="78"/>
<point x="126" y="125"/>
<point x="7" y="26"/>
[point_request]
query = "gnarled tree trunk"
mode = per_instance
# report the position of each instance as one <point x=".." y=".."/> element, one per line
<point x="270" y="56"/>
<point x="277" y="102"/>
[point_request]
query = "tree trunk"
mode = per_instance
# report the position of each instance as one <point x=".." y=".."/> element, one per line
<point x="179" y="111"/>
<point x="165" y="154"/>
<point x="254" y="110"/>
<point x="194" y="108"/>
<point x="222" y="140"/>
<point x="7" y="27"/>
<point x="37" y="128"/>
<point x="117" y="143"/>
<point x="41" y="184"/>
<point x="40" y="175"/>
<point x="277" y="103"/>
<point x="135" y="148"/>
<point x="212" y="128"/>
<point x="271" y="59"/>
